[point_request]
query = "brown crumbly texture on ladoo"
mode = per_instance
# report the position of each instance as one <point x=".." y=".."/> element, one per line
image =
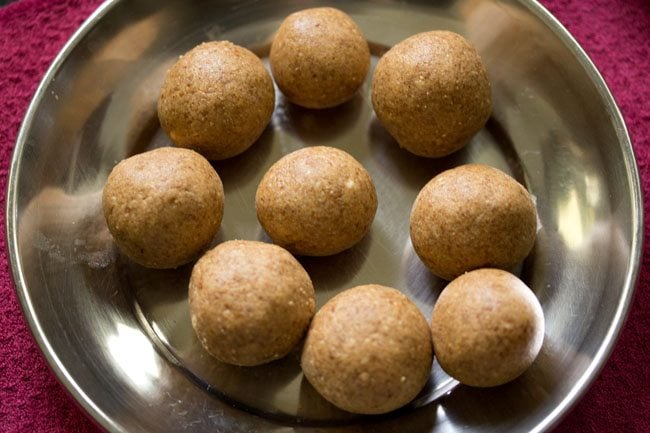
<point x="368" y="350"/>
<point x="319" y="57"/>
<point x="216" y="99"/>
<point x="316" y="201"/>
<point x="250" y="302"/>
<point x="472" y="216"/>
<point x="432" y="93"/>
<point x="487" y="328"/>
<point x="163" y="207"/>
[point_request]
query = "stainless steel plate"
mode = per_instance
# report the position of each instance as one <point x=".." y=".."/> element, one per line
<point x="119" y="337"/>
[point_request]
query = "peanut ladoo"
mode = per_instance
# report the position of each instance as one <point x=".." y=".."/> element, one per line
<point x="431" y="92"/>
<point x="316" y="201"/>
<point x="216" y="99"/>
<point x="472" y="216"/>
<point x="319" y="57"/>
<point x="163" y="207"/>
<point x="487" y="328"/>
<point x="250" y="302"/>
<point x="368" y="350"/>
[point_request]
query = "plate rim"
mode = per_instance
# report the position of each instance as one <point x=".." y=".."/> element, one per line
<point x="552" y="419"/>
<point x="608" y="343"/>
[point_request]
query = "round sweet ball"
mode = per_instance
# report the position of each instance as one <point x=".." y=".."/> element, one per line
<point x="472" y="216"/>
<point x="216" y="99"/>
<point x="250" y="302"/>
<point x="316" y="201"/>
<point x="319" y="57"/>
<point x="368" y="350"/>
<point x="487" y="328"/>
<point x="163" y="207"/>
<point x="431" y="92"/>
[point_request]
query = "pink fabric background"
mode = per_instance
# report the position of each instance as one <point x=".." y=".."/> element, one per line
<point x="615" y="34"/>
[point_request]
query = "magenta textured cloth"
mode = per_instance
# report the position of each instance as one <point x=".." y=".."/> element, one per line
<point x="615" y="34"/>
